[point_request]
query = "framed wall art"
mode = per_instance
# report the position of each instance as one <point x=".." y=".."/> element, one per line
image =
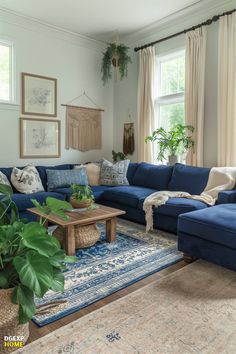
<point x="39" y="95"/>
<point x="39" y="138"/>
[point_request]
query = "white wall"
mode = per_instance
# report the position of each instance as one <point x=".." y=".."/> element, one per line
<point x="125" y="92"/>
<point x="75" y="62"/>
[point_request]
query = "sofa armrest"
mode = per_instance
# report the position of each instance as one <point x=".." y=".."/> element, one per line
<point x="227" y="196"/>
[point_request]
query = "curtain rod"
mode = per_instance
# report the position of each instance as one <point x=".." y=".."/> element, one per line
<point x="206" y="23"/>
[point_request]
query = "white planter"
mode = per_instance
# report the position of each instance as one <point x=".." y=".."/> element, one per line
<point x="172" y="160"/>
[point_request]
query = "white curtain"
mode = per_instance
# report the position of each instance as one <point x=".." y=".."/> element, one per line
<point x="146" y="83"/>
<point x="227" y="91"/>
<point x="195" y="58"/>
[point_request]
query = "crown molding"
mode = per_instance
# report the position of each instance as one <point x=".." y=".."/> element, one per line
<point x="32" y="24"/>
<point x="187" y="17"/>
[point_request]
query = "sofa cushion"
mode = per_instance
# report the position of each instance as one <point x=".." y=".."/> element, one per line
<point x="43" y="174"/>
<point x="216" y="224"/>
<point x="128" y="195"/>
<point x="189" y="179"/>
<point x="64" y="178"/>
<point x="177" y="206"/>
<point x="23" y="201"/>
<point x="4" y="180"/>
<point x="97" y="192"/>
<point x="7" y="172"/>
<point x="26" y="180"/>
<point x="93" y="171"/>
<point x="152" y="176"/>
<point x="114" y="174"/>
<point x="131" y="171"/>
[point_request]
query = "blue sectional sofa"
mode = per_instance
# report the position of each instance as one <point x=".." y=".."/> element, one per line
<point x="210" y="234"/>
<point x="144" y="179"/>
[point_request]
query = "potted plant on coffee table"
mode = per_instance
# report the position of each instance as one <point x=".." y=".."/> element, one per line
<point x="81" y="197"/>
<point x="31" y="263"/>
<point x="173" y="142"/>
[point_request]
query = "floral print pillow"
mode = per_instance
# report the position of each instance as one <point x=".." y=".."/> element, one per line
<point x="27" y="180"/>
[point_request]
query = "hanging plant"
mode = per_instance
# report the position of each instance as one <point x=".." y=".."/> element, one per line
<point x="116" y="55"/>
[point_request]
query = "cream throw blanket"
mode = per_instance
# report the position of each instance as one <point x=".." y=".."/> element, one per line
<point x="220" y="178"/>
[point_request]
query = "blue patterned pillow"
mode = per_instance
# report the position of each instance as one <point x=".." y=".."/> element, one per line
<point x="64" y="178"/>
<point x="114" y="174"/>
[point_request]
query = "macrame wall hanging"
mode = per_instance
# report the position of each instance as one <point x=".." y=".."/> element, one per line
<point x="83" y="126"/>
<point x="128" y="139"/>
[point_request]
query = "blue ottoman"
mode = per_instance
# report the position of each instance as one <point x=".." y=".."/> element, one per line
<point x="209" y="234"/>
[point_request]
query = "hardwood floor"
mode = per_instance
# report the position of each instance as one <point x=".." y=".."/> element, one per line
<point x="37" y="332"/>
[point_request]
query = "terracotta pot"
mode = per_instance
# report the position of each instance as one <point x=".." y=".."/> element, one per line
<point x="9" y="322"/>
<point x="82" y="204"/>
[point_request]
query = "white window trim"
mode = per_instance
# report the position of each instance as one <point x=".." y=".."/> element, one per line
<point x="11" y="45"/>
<point x="171" y="98"/>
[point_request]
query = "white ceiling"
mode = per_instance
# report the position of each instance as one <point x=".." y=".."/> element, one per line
<point x="98" y="19"/>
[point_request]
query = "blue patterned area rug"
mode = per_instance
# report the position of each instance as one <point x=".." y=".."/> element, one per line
<point x="108" y="267"/>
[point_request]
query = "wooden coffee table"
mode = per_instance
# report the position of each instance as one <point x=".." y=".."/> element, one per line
<point x="83" y="218"/>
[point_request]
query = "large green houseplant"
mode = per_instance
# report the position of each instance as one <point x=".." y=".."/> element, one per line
<point x="115" y="55"/>
<point x="31" y="260"/>
<point x="173" y="142"/>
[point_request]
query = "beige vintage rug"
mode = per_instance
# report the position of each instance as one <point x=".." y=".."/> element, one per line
<point x="190" y="311"/>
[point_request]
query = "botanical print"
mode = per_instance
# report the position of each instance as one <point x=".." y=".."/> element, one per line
<point x="40" y="137"/>
<point x="38" y="95"/>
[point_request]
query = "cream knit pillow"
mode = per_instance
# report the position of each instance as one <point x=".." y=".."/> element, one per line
<point x="27" y="180"/>
<point x="4" y="180"/>
<point x="93" y="171"/>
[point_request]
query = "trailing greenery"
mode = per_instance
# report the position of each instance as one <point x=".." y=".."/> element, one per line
<point x="176" y="141"/>
<point x="31" y="260"/>
<point x="118" y="156"/>
<point x="119" y="53"/>
<point x="82" y="193"/>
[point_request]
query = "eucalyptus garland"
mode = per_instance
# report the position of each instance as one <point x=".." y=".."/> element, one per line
<point x="119" y="52"/>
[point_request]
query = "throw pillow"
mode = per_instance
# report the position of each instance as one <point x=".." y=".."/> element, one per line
<point x="114" y="174"/>
<point x="93" y="171"/>
<point x="64" y="178"/>
<point x="4" y="180"/>
<point x="27" y="180"/>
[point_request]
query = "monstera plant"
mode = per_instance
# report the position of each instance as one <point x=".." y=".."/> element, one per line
<point x="31" y="261"/>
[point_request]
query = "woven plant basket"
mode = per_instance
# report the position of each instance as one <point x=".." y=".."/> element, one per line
<point x="82" y="204"/>
<point x="86" y="236"/>
<point x="9" y="321"/>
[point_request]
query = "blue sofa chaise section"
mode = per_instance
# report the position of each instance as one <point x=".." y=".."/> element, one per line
<point x="210" y="234"/>
<point x="144" y="179"/>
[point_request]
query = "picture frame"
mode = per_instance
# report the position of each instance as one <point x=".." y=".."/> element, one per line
<point x="40" y="138"/>
<point x="38" y="95"/>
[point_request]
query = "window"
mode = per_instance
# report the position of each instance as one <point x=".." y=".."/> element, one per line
<point x="6" y="72"/>
<point x="169" y="103"/>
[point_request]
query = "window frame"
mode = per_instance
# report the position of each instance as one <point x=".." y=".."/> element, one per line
<point x="12" y="90"/>
<point x="169" y="98"/>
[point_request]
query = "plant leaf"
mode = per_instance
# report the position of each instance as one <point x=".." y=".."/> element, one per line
<point x="70" y="259"/>
<point x="56" y="204"/>
<point x="58" y="281"/>
<point x="35" y="236"/>
<point x="6" y="190"/>
<point x="57" y="259"/>
<point x="35" y="272"/>
<point x="25" y="298"/>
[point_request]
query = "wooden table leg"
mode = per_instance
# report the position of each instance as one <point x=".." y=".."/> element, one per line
<point x="111" y="230"/>
<point x="70" y="240"/>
